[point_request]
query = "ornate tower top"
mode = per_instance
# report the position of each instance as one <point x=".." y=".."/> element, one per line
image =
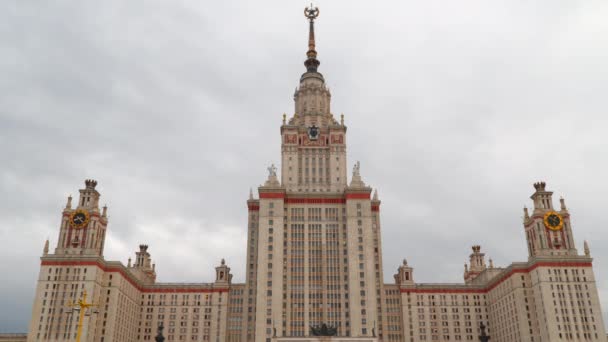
<point x="89" y="196"/>
<point x="311" y="63"/>
<point x="541" y="197"/>
<point x="90" y="183"/>
<point x="313" y="148"/>
<point x="540" y="186"/>
<point x="548" y="231"/>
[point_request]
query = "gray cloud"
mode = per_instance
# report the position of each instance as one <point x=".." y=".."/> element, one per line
<point x="453" y="109"/>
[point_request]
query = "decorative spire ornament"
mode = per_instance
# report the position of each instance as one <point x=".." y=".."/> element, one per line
<point x="45" y="251"/>
<point x="311" y="63"/>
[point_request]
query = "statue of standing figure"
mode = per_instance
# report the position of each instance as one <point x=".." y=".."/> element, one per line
<point x="356" y="169"/>
<point x="272" y="171"/>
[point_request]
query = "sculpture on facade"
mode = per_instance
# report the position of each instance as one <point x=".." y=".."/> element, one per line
<point x="323" y="330"/>
<point x="159" y="337"/>
<point x="356" y="169"/>
<point x="483" y="337"/>
<point x="272" y="171"/>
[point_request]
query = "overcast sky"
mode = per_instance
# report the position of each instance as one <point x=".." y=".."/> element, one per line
<point x="454" y="109"/>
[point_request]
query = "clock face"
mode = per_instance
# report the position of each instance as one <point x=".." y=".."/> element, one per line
<point x="313" y="132"/>
<point x="79" y="219"/>
<point x="553" y="221"/>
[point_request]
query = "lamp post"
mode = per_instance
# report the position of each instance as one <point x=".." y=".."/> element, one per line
<point x="84" y="308"/>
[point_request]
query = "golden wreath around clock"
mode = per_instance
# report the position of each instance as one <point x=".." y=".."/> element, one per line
<point x="79" y="218"/>
<point x="553" y="221"/>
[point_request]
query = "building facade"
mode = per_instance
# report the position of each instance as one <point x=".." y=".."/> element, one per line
<point x="13" y="337"/>
<point x="314" y="257"/>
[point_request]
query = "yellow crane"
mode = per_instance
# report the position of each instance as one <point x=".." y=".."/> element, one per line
<point x="83" y="307"/>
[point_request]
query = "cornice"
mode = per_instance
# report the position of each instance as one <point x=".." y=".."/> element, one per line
<point x="519" y="267"/>
<point x="118" y="267"/>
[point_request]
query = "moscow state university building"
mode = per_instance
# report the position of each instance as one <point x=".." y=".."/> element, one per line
<point x="314" y="265"/>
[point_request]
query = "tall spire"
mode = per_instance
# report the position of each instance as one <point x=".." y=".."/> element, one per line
<point x="312" y="63"/>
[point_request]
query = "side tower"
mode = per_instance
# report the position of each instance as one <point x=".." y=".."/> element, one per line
<point x="548" y="231"/>
<point x="563" y="303"/>
<point x="83" y="228"/>
<point x="313" y="143"/>
<point x="314" y="245"/>
<point x="71" y="271"/>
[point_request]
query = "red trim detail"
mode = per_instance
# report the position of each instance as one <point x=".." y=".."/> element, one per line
<point x="502" y="279"/>
<point x="375" y="207"/>
<point x="128" y="277"/>
<point x="357" y="196"/>
<point x="300" y="200"/>
<point x="253" y="207"/>
<point x="272" y="195"/>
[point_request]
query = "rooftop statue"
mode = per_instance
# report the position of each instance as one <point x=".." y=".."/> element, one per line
<point x="272" y="171"/>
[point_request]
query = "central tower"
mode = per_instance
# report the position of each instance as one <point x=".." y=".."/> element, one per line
<point x="313" y="142"/>
<point x="314" y="249"/>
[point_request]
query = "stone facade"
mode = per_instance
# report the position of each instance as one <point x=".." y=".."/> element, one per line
<point x="13" y="337"/>
<point x="325" y="339"/>
<point x="314" y="256"/>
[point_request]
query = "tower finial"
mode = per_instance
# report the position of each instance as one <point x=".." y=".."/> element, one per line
<point x="311" y="63"/>
<point x="45" y="250"/>
<point x="68" y="205"/>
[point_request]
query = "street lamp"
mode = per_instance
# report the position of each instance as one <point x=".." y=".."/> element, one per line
<point x="85" y="309"/>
